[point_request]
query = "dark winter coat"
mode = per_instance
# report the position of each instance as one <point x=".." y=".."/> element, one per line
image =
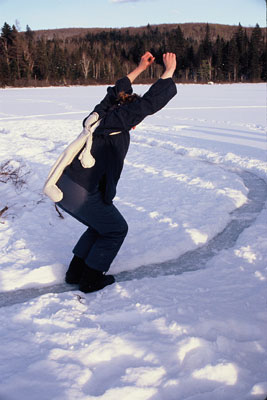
<point x="109" y="150"/>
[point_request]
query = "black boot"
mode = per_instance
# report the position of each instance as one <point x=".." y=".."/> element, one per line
<point x="75" y="271"/>
<point x="93" y="280"/>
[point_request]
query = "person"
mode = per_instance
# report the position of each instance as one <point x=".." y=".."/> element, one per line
<point x="89" y="192"/>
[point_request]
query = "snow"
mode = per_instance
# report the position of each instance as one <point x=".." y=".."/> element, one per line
<point x="186" y="318"/>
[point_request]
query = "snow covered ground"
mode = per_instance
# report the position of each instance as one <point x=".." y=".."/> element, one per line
<point x="187" y="316"/>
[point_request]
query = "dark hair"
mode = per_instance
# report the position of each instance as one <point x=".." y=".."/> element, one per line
<point x="125" y="98"/>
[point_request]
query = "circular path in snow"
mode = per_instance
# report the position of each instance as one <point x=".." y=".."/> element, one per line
<point x="241" y="218"/>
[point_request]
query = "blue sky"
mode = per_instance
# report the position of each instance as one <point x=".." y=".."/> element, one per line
<point x="47" y="14"/>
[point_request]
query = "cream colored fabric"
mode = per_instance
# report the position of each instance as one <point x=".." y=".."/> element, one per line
<point x="85" y="138"/>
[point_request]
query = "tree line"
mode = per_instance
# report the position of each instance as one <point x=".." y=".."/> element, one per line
<point x="27" y="59"/>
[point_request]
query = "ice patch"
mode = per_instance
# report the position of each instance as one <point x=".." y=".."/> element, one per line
<point x="197" y="236"/>
<point x="246" y="253"/>
<point x="223" y="372"/>
<point x="259" y="389"/>
<point x="143" y="377"/>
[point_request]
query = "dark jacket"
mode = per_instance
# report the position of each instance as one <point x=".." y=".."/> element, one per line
<point x="108" y="150"/>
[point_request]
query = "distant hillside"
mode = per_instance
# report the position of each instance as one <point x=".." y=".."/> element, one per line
<point x="195" y="30"/>
<point x="205" y="52"/>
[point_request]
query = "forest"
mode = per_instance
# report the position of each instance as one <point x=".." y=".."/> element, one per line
<point x="35" y="58"/>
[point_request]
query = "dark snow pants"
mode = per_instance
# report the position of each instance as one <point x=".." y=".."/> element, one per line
<point x="107" y="228"/>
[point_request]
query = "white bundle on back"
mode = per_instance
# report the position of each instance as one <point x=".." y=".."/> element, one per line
<point x="85" y="138"/>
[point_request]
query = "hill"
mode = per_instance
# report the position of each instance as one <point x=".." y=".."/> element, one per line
<point x="205" y="52"/>
<point x="195" y="30"/>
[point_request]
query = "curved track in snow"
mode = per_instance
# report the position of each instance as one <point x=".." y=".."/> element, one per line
<point x="193" y="260"/>
<point x="241" y="218"/>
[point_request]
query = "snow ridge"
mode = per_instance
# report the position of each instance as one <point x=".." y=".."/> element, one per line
<point x="241" y="218"/>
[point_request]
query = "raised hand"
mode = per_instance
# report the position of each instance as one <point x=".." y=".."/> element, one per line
<point x="146" y="60"/>
<point x="169" y="60"/>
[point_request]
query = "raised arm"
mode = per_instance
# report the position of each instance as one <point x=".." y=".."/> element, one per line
<point x="146" y="60"/>
<point x="122" y="85"/>
<point x="169" y="60"/>
<point x="159" y="94"/>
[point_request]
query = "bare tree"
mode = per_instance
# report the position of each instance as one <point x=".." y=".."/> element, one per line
<point x="85" y="63"/>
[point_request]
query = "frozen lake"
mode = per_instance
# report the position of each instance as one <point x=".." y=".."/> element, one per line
<point x="186" y="318"/>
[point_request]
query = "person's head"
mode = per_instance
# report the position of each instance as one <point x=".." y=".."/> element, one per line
<point x="125" y="98"/>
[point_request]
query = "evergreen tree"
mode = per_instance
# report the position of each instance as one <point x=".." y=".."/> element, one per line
<point x="29" y="53"/>
<point x="233" y="61"/>
<point x="207" y="52"/>
<point x="217" y="59"/>
<point x="7" y="34"/>
<point x="41" y="63"/>
<point x="29" y="34"/>
<point x="242" y="48"/>
<point x="6" y="41"/>
<point x="255" y="52"/>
